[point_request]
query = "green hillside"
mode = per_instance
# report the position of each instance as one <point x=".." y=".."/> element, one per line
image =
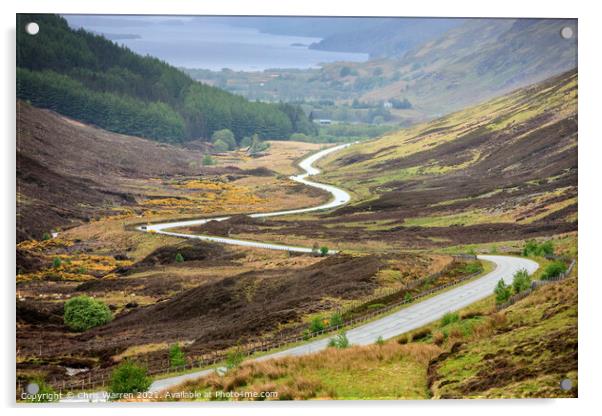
<point x="89" y="78"/>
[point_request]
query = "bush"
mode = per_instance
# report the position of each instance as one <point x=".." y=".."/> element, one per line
<point x="521" y="281"/>
<point x="316" y="324"/>
<point x="234" y="358"/>
<point x="208" y="160"/>
<point x="323" y="251"/>
<point x="339" y="341"/>
<point x="336" y="319"/>
<point x="179" y="258"/>
<point x="129" y="378"/>
<point x="473" y="267"/>
<point x="56" y="262"/>
<point x="45" y="393"/>
<point x="380" y="340"/>
<point x="176" y="356"/>
<point x="46" y="236"/>
<point x="300" y="137"/>
<point x="450" y="318"/>
<point x="532" y="248"/>
<point x="407" y="297"/>
<point x="83" y="312"/>
<point x="553" y="269"/>
<point x="502" y="292"/>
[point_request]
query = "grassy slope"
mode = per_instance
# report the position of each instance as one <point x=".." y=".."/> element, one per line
<point x="512" y="159"/>
<point x="524" y="351"/>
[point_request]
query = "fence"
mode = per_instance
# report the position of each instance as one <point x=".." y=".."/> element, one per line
<point x="160" y="366"/>
<point x="534" y="285"/>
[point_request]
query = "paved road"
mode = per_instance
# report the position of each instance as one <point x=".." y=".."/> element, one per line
<point x="339" y="197"/>
<point x="402" y="321"/>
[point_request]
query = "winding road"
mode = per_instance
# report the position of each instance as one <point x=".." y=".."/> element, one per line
<point x="409" y="318"/>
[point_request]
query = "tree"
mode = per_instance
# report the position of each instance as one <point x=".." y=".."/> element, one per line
<point x="234" y="358"/>
<point x="83" y="312"/>
<point x="176" y="356"/>
<point x="316" y="324"/>
<point x="220" y="146"/>
<point x="129" y="377"/>
<point x="521" y="281"/>
<point x="246" y="141"/>
<point x="502" y="292"/>
<point x="336" y="319"/>
<point x="226" y="136"/>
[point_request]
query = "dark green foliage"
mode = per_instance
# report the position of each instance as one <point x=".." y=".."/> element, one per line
<point x="220" y="146"/>
<point x="380" y="340"/>
<point x="532" y="248"/>
<point x="521" y="281"/>
<point x="407" y="297"/>
<point x="46" y="236"/>
<point x="323" y="251"/>
<point x="176" y="356"/>
<point x="316" y="324"/>
<point x="129" y="377"/>
<point x="336" y="319"/>
<point x="339" y="341"/>
<point x="401" y="104"/>
<point x="89" y="78"/>
<point x="56" y="262"/>
<point x="179" y="258"/>
<point x="502" y="292"/>
<point x="553" y="269"/>
<point x="83" y="312"/>
<point x="450" y="318"/>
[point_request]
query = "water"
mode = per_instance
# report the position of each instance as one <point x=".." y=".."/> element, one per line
<point x="203" y="42"/>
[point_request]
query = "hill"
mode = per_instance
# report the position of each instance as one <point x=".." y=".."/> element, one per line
<point x="91" y="79"/>
<point x="72" y="172"/>
<point x="506" y="169"/>
<point x="480" y="59"/>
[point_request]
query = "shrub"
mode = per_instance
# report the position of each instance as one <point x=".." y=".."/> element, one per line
<point x="502" y="292"/>
<point x="407" y="297"/>
<point x="339" y="341"/>
<point x="45" y="393"/>
<point x="316" y="324"/>
<point x="129" y="377"/>
<point x="553" y="269"/>
<point x="208" y="160"/>
<point x="234" y="358"/>
<point x="179" y="258"/>
<point x="380" y="340"/>
<point x="56" y="262"/>
<point x="532" y="248"/>
<point x="450" y="318"/>
<point x="521" y="281"/>
<point x="473" y="267"/>
<point x="323" y="251"/>
<point x="336" y="319"/>
<point x="46" y="236"/>
<point x="83" y="312"/>
<point x="176" y="356"/>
